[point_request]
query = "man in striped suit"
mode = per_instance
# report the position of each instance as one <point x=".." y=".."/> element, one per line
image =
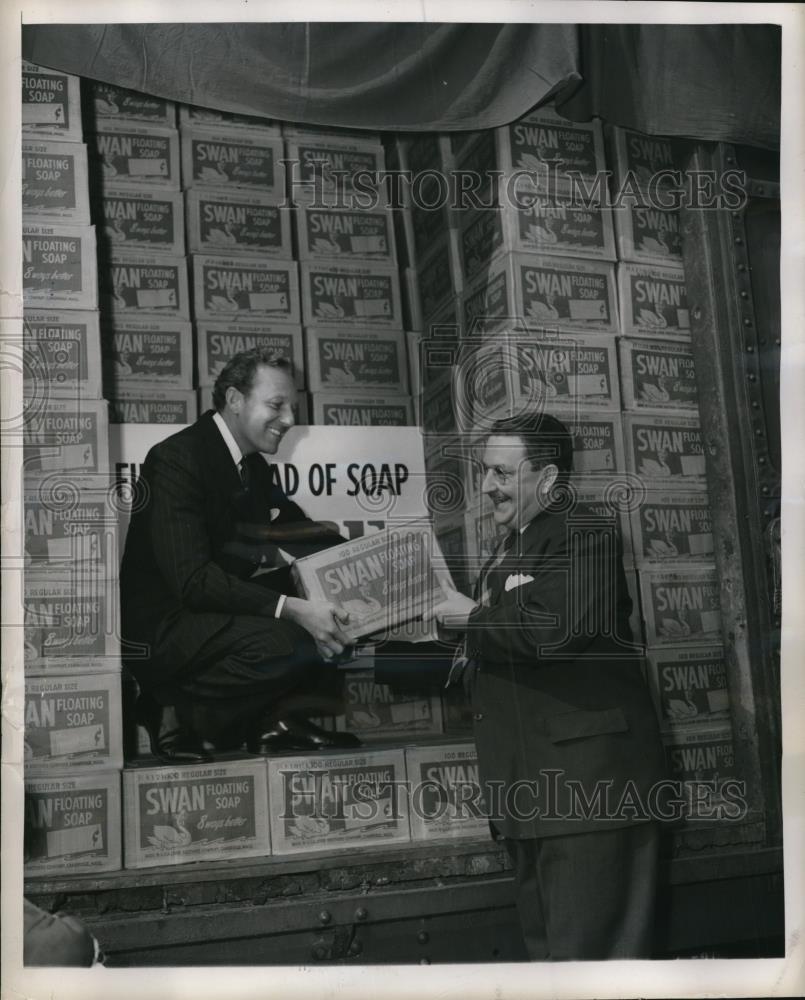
<point x="219" y="649"/>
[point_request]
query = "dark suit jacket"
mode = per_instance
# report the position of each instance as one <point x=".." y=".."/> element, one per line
<point x="192" y="545"/>
<point x="557" y="685"/>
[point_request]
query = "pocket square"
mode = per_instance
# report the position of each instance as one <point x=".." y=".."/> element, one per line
<point x="274" y="513"/>
<point x="517" y="580"/>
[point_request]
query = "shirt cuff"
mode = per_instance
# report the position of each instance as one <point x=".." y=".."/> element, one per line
<point x="280" y="605"/>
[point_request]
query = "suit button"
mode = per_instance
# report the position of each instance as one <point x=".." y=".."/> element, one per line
<point x="478" y="716"/>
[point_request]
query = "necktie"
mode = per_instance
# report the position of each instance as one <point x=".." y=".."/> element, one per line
<point x="243" y="469"/>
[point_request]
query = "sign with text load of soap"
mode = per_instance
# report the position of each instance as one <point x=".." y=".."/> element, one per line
<point x="354" y="476"/>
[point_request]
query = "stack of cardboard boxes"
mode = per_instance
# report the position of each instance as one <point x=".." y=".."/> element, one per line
<point x="73" y="734"/>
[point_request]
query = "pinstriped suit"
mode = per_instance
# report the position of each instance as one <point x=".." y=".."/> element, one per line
<point x="194" y="624"/>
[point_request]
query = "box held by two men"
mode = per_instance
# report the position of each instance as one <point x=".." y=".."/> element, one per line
<point x="689" y="684"/>
<point x="345" y="234"/>
<point x="245" y="287"/>
<point x="51" y="103"/>
<point x="218" y="341"/>
<point x="445" y="790"/>
<point x="128" y="152"/>
<point x="73" y="824"/>
<point x="338" y="801"/>
<point x="73" y="722"/>
<point x="376" y="712"/>
<point x="681" y="604"/>
<point x="234" y="220"/>
<point x="542" y="292"/>
<point x="59" y="267"/>
<point x="54" y="181"/>
<point x="233" y="157"/>
<point x="658" y="377"/>
<point x="355" y="358"/>
<point x="154" y="404"/>
<point x="363" y="294"/>
<point x="62" y="352"/>
<point x="71" y="619"/>
<point x="69" y="519"/>
<point x="61" y="435"/>
<point x="133" y="218"/>
<point x="360" y="408"/>
<point x="382" y="580"/>
<point x="148" y="351"/>
<point x="213" y="812"/>
<point x="143" y="283"/>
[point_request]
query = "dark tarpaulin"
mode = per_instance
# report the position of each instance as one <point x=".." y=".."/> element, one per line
<point x="719" y="82"/>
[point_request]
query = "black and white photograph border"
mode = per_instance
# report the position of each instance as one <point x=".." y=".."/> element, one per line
<point x="680" y="977"/>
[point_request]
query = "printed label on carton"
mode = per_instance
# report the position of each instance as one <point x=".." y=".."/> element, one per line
<point x="665" y="448"/>
<point x="658" y="376"/>
<point x="61" y="351"/>
<point x="337" y="801"/>
<point x="109" y="101"/>
<point x="648" y="233"/>
<point x="680" y="605"/>
<point x="128" y="153"/>
<point x="670" y="526"/>
<point x="152" y="406"/>
<point x="645" y="160"/>
<point x="189" y="114"/>
<point x="703" y="758"/>
<point x="338" y="359"/>
<point x="68" y="519"/>
<point x="245" y="287"/>
<point x="51" y="103"/>
<point x="597" y="445"/>
<point x="654" y="300"/>
<point x="59" y="266"/>
<point x="358" y="295"/>
<point x="138" y="219"/>
<point x="445" y="789"/>
<point x="539" y="143"/>
<point x="180" y="814"/>
<point x="557" y="293"/>
<point x="66" y="434"/>
<point x="345" y="410"/>
<point x="148" y="352"/>
<point x="487" y="304"/>
<point x="552" y="226"/>
<point x="234" y="159"/>
<point x="220" y="221"/>
<point x="73" y="722"/>
<point x="323" y="166"/>
<point x="566" y="372"/>
<point x="346" y="234"/>
<point x="146" y="284"/>
<point x="54" y="180"/>
<point x="690" y="685"/>
<point x="376" y="711"/>
<point x="68" y="614"/>
<point x="219" y="342"/>
<point x="73" y="824"/>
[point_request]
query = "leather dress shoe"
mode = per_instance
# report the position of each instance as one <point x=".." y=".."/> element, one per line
<point x="171" y="742"/>
<point x="296" y="735"/>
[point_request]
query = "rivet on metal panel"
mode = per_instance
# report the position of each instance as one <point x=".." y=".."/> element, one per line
<point x="697" y="313"/>
<point x="742" y="267"/>
<point x="758" y="432"/>
<point x="325" y="917"/>
<point x="361" y="913"/>
<point x="776" y="341"/>
<point x="319" y="953"/>
<point x="747" y="321"/>
<point x="730" y="159"/>
<point x="355" y="948"/>
<point x="760" y="189"/>
<point x="744" y="295"/>
<point x="423" y="937"/>
<point x="738" y="240"/>
<point x="765" y="491"/>
<point x="752" y="377"/>
<point x="424" y="961"/>
<point x="750" y="349"/>
<point x="761" y="460"/>
<point x="755" y="405"/>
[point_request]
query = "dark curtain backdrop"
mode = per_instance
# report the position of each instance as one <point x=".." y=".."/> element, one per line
<point x="718" y="82"/>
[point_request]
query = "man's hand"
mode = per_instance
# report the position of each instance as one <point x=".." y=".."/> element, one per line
<point x="452" y="614"/>
<point x="322" y="620"/>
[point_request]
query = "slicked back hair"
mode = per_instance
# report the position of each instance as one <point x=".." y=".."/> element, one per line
<point x="240" y="371"/>
<point x="546" y="440"/>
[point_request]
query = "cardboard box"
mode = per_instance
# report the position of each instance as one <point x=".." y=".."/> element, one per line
<point x="356" y="408"/>
<point x="104" y="100"/>
<point x="458" y="548"/>
<point x="217" y="342"/>
<point x="551" y="225"/>
<point x="658" y="377"/>
<point x="345" y="234"/>
<point x="351" y="295"/>
<point x="702" y="758"/>
<point x="325" y="169"/>
<point x="636" y="623"/>
<point x="59" y="267"/>
<point x="221" y="220"/>
<point x="142" y="284"/>
<point x="125" y="152"/>
<point x="192" y="116"/>
<point x="62" y="354"/>
<point x="71" y="620"/>
<point x="667" y="451"/>
<point x="420" y="152"/>
<point x="597" y="498"/>
<point x="411" y="302"/>
<point x="445" y="789"/>
<point x="439" y="276"/>
<point x="145" y="404"/>
<point x="456" y="712"/>
<point x="51" y="103"/>
<point x="147" y="352"/>
<point x="234" y="158"/>
<point x="73" y="824"/>
<point x="64" y="435"/>
<point x="245" y="288"/>
<point x="427" y="222"/>
<point x="73" y="722"/>
<point x="647" y="233"/>
<point x="137" y="219"/>
<point x="643" y="162"/>
<point x="54" y="181"/>
<point x="69" y="519"/>
<point x="597" y="444"/>
<point x="338" y="802"/>
<point x="213" y="812"/>
<point x="668" y="526"/>
<point x="376" y="712"/>
<point x="346" y="359"/>
<point x="564" y="372"/>
<point x="681" y="604"/>
<point x="382" y="580"/>
<point x="542" y="293"/>
<point x="689" y="685"/>
<point x="653" y="301"/>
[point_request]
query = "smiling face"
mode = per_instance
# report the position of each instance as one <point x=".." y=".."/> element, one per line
<point x="517" y="491"/>
<point x="259" y="419"/>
